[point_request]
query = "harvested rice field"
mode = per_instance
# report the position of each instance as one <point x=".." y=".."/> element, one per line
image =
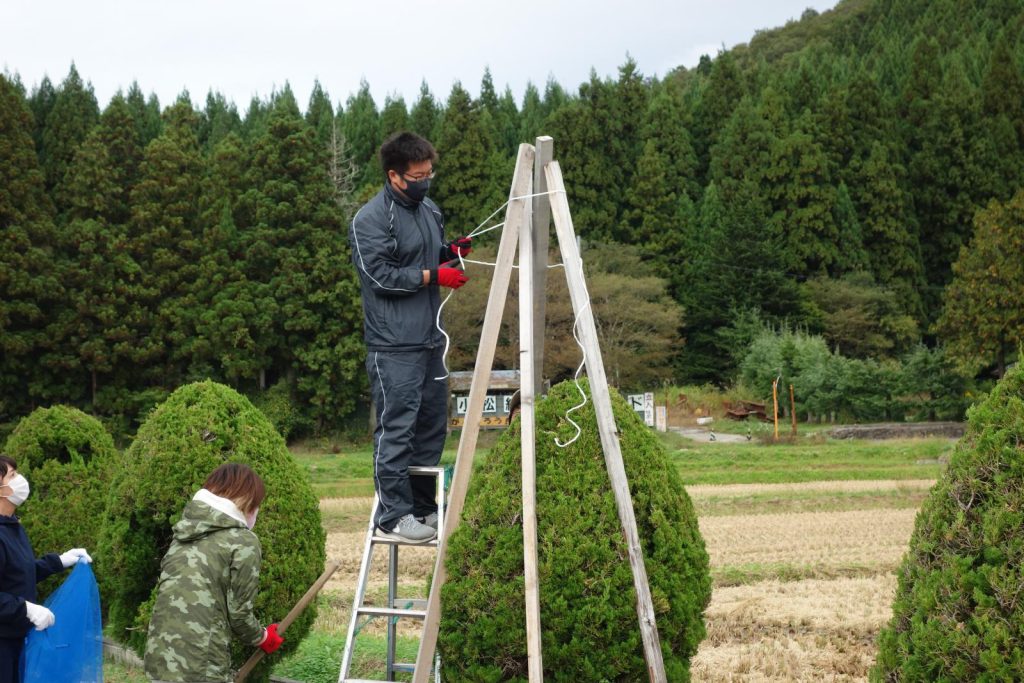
<point x="800" y="596"/>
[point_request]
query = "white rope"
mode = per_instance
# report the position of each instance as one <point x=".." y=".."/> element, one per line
<point x="492" y="265"/>
<point x="576" y="379"/>
<point x="447" y="339"/>
<point x="479" y="230"/>
<point x="462" y="262"/>
<point x="476" y="231"/>
<point x="583" y="361"/>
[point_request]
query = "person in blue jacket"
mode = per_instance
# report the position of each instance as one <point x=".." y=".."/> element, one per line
<point x="402" y="259"/>
<point x="20" y="571"/>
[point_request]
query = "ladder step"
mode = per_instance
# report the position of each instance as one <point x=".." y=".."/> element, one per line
<point x="425" y="471"/>
<point x="392" y="612"/>
<point x="380" y="540"/>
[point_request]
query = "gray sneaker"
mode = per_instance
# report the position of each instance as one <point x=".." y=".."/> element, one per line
<point x="409" y="530"/>
<point x="430" y="520"/>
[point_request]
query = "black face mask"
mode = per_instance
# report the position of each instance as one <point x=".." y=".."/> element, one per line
<point x="416" y="190"/>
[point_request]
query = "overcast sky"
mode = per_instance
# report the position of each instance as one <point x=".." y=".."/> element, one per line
<point x="252" y="47"/>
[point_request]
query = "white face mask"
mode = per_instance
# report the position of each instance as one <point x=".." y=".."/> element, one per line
<point x="19" y="489"/>
<point x="250" y="518"/>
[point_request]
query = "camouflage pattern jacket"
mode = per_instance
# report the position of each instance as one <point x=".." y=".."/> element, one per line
<point x="208" y="581"/>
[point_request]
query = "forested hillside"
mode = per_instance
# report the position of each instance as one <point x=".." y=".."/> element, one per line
<point x="847" y="178"/>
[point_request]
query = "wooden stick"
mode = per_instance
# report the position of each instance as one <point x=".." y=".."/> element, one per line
<point x="605" y="420"/>
<point x="474" y="410"/>
<point x="282" y="625"/>
<point x="527" y="390"/>
<point x="775" y="404"/>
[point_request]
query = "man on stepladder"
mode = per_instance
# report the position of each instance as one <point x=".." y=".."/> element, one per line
<point x="400" y="253"/>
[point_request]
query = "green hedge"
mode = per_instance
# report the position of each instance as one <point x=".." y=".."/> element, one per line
<point x="199" y="427"/>
<point x="588" y="603"/>
<point x="67" y="456"/>
<point x="959" y="608"/>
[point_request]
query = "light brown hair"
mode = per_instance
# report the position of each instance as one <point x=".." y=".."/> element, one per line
<point x="238" y="483"/>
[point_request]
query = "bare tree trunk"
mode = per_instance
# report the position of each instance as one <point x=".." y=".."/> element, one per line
<point x="342" y="171"/>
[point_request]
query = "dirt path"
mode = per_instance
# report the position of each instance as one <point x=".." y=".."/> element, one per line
<point x="708" y="435"/>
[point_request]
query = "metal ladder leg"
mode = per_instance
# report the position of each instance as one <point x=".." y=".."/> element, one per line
<point x="392" y="621"/>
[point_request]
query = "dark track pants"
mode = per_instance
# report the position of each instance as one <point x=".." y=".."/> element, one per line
<point x="10" y="653"/>
<point x="412" y="422"/>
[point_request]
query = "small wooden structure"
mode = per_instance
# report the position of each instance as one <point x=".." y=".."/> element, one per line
<point x="741" y="410"/>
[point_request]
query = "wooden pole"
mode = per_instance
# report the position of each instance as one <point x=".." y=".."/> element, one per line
<point x="527" y="393"/>
<point x="792" y="407"/>
<point x="605" y="419"/>
<point x="775" y="405"/>
<point x="541" y="238"/>
<point x="514" y="215"/>
<point x="283" y="625"/>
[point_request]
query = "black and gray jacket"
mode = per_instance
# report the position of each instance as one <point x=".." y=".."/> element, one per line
<point x="393" y="241"/>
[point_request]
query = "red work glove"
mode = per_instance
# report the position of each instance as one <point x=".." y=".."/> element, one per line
<point x="460" y="246"/>
<point x="271" y="641"/>
<point x="451" y="277"/>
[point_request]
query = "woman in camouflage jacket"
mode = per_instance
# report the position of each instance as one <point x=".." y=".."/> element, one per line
<point x="208" y="582"/>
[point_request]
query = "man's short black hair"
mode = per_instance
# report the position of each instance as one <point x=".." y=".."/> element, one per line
<point x="404" y="148"/>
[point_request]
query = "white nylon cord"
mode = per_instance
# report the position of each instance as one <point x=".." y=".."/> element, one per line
<point x="462" y="262"/>
<point x="583" y="362"/>
<point x="480" y="230"/>
<point x="576" y="379"/>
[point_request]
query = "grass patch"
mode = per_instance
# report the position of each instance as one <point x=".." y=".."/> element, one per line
<point x="751" y="463"/>
<point x="740" y="575"/>
<point x="807" y="501"/>
<point x="115" y="672"/>
<point x="318" y="659"/>
<point x="346" y="470"/>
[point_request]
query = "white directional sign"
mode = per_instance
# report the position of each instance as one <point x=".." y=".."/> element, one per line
<point x="636" y="402"/>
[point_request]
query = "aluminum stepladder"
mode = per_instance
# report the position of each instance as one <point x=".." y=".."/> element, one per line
<point x="389" y="610"/>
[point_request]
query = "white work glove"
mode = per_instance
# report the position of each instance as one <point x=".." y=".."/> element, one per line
<point x="40" y="616"/>
<point x="74" y="556"/>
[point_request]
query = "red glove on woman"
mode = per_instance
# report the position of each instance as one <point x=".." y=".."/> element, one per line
<point x="271" y="641"/>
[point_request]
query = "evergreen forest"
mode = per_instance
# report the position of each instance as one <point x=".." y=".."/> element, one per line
<point x="840" y="200"/>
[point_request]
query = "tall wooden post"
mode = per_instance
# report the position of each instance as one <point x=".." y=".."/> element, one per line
<point x="792" y="407"/>
<point x="527" y="393"/>
<point x="514" y="215"/>
<point x="605" y="419"/>
<point x="541" y="238"/>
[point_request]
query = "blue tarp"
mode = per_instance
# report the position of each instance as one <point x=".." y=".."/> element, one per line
<point x="70" y="651"/>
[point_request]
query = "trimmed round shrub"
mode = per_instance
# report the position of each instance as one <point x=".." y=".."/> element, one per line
<point x="589" y="621"/>
<point x="67" y="457"/>
<point x="959" y="608"/>
<point x="199" y="427"/>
